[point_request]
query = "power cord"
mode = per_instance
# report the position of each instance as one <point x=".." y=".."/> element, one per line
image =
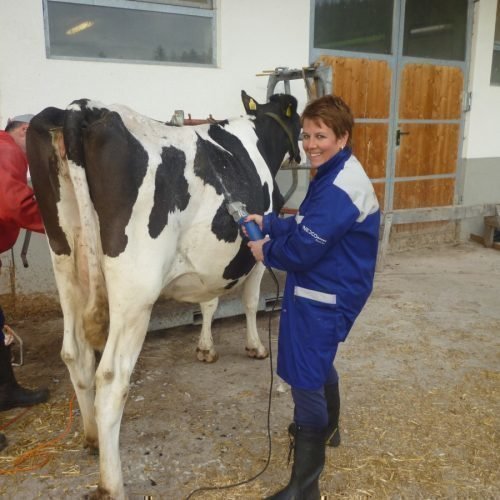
<point x="269" y="440"/>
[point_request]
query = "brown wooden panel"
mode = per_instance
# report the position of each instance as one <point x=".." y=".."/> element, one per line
<point x="424" y="193"/>
<point x="428" y="149"/>
<point x="364" y="84"/>
<point x="370" y="147"/>
<point x="431" y="92"/>
<point x="380" y="192"/>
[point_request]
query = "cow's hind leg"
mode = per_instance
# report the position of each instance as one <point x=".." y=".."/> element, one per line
<point x="76" y="352"/>
<point x="126" y="335"/>
<point x="206" y="350"/>
<point x="250" y="298"/>
<point x="79" y="358"/>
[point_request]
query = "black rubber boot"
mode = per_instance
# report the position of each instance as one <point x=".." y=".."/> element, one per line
<point x="332" y="395"/>
<point x="308" y="463"/>
<point x="3" y="441"/>
<point x="12" y="394"/>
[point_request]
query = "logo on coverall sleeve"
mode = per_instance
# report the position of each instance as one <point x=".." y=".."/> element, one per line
<point x="318" y="238"/>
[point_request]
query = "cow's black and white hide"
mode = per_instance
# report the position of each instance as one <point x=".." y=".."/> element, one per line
<point x="135" y="209"/>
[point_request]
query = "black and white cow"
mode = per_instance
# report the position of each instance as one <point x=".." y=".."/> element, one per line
<point x="135" y="209"/>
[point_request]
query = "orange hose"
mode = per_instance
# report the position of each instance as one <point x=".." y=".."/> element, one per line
<point x="39" y="452"/>
<point x="15" y="419"/>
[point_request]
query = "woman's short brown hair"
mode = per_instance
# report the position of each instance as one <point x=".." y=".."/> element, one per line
<point x="333" y="112"/>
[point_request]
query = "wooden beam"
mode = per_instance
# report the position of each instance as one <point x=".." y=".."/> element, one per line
<point x="491" y="213"/>
<point x="434" y="214"/>
<point x="480" y="239"/>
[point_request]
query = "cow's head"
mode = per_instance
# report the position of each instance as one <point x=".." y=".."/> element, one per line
<point x="277" y="126"/>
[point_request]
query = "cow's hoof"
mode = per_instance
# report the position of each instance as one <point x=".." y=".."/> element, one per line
<point x="92" y="446"/>
<point x="206" y="355"/>
<point x="99" y="494"/>
<point x="257" y="353"/>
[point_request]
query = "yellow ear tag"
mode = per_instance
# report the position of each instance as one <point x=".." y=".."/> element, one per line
<point x="252" y="105"/>
<point x="289" y="111"/>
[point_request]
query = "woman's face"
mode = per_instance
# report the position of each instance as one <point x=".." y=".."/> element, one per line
<point x="320" y="142"/>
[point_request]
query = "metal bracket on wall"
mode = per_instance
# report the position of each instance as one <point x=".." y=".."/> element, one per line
<point x="320" y="75"/>
<point x="318" y="82"/>
<point x="384" y="241"/>
<point x="467" y="102"/>
<point x="24" y="250"/>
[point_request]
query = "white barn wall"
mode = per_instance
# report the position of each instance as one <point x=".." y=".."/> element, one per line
<point x="481" y="148"/>
<point x="250" y="39"/>
<point x="253" y="35"/>
<point x="482" y="124"/>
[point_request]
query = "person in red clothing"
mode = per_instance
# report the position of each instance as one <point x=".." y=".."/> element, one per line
<point x="18" y="209"/>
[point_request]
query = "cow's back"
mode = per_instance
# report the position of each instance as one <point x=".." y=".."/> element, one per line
<point x="180" y="214"/>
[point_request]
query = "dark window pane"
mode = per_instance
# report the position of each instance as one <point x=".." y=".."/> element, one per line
<point x="495" y="67"/>
<point x="78" y="30"/>
<point x="435" y="29"/>
<point x="361" y="26"/>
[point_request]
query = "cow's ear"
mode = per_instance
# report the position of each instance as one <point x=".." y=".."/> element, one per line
<point x="249" y="103"/>
<point x="289" y="106"/>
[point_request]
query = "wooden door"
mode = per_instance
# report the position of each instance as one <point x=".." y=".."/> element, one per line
<point x="407" y="105"/>
<point x="427" y="136"/>
<point x="365" y="84"/>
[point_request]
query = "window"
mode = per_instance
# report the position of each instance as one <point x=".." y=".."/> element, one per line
<point x="181" y="32"/>
<point x="203" y="4"/>
<point x="495" y="67"/>
<point x="353" y="25"/>
<point x="435" y="29"/>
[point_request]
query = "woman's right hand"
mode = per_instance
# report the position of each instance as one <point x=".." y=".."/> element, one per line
<point x="259" y="219"/>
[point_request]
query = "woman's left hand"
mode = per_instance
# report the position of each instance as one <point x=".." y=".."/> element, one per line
<point x="256" y="249"/>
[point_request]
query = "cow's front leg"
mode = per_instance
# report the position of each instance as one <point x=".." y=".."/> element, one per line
<point x="126" y="336"/>
<point x="206" y="350"/>
<point x="250" y="298"/>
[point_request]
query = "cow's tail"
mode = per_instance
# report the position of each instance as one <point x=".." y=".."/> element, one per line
<point x="44" y="162"/>
<point x="89" y="254"/>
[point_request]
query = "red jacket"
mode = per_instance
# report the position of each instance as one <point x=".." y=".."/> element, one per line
<point x="18" y="208"/>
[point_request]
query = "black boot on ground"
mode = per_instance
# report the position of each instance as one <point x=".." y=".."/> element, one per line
<point x="332" y="395"/>
<point x="12" y="394"/>
<point x="3" y="441"/>
<point x="309" y="460"/>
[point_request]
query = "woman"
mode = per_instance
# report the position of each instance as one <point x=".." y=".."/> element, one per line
<point x="329" y="251"/>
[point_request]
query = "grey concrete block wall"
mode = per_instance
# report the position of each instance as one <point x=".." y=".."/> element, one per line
<point x="35" y="279"/>
<point x="481" y="186"/>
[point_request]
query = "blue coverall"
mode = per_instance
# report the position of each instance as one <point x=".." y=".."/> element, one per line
<point x="329" y="251"/>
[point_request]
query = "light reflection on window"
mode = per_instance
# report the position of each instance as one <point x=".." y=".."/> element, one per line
<point x="435" y="29"/>
<point x="101" y="32"/>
